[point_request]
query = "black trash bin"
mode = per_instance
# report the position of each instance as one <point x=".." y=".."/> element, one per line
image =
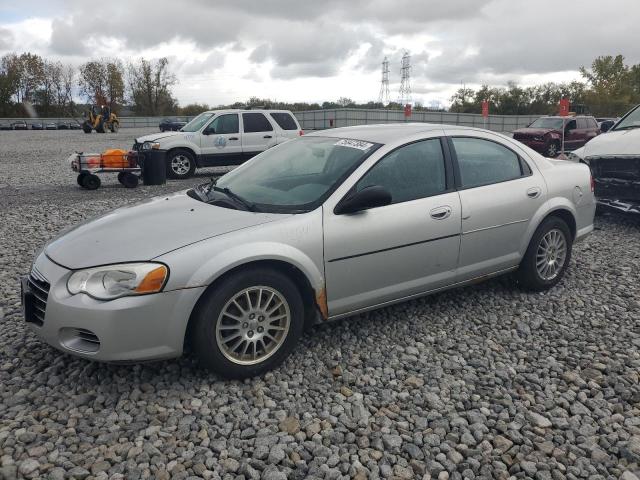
<point x="154" y="167"/>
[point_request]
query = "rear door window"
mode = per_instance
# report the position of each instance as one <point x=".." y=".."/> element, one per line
<point x="582" y="123"/>
<point x="256" y="122"/>
<point x="285" y="120"/>
<point x="483" y="162"/>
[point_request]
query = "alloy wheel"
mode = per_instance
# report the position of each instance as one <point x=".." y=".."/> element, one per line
<point x="253" y="325"/>
<point x="180" y="164"/>
<point x="551" y="254"/>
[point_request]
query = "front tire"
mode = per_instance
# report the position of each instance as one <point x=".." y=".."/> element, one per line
<point x="180" y="164"/>
<point x="552" y="150"/>
<point x="91" y="182"/>
<point x="248" y="324"/>
<point x="86" y="127"/>
<point x="547" y="256"/>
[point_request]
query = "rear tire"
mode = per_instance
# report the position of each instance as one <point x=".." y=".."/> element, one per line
<point x="245" y="308"/>
<point x="547" y="256"/>
<point x="86" y="127"/>
<point x="91" y="182"/>
<point x="180" y="164"/>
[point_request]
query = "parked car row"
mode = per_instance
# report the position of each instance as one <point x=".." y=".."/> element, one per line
<point x="22" y="125"/>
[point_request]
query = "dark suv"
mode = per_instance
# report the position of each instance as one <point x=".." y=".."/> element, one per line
<point x="545" y="134"/>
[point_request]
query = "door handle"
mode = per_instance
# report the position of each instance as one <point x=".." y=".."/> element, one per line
<point x="440" y="213"/>
<point x="233" y="138"/>
<point x="534" y="192"/>
<point x="267" y="136"/>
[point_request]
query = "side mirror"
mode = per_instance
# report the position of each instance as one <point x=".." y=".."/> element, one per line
<point x="369" y="197"/>
<point x="209" y="130"/>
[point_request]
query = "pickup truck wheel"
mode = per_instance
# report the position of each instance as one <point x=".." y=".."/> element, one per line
<point x="248" y="324"/>
<point x="547" y="256"/>
<point x="180" y="164"/>
<point x="552" y="149"/>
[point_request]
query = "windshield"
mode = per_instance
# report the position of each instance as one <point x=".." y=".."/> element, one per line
<point x="296" y="175"/>
<point x="545" y="122"/>
<point x="630" y="120"/>
<point x="197" y="123"/>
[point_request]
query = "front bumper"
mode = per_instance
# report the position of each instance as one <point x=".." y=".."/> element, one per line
<point x="146" y="327"/>
<point x="539" y="146"/>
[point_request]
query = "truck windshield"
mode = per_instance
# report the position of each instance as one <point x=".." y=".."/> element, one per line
<point x="197" y="123"/>
<point x="297" y="175"/>
<point x="553" y="123"/>
<point x="630" y="120"/>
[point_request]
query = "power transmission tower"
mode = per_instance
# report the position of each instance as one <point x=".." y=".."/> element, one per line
<point x="405" y="79"/>
<point x="384" y="85"/>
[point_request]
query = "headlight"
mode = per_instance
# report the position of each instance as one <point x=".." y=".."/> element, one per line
<point x="150" y="145"/>
<point x="573" y="157"/>
<point x="114" y="281"/>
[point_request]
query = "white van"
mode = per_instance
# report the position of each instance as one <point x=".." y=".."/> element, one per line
<point x="221" y="137"/>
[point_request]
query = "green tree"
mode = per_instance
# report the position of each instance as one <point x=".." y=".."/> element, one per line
<point x="150" y="85"/>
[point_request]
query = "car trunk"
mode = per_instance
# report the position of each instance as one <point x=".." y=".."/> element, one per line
<point x="617" y="181"/>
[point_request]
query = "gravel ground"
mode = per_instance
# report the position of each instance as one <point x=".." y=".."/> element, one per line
<point x="481" y="382"/>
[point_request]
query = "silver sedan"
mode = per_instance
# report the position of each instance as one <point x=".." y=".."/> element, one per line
<point x="322" y="227"/>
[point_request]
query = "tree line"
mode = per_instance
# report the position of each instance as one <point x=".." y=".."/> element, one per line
<point x="29" y="82"/>
<point x="610" y="88"/>
<point x="32" y="84"/>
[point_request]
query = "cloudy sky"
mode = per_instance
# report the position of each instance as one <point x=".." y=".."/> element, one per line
<point x="300" y="50"/>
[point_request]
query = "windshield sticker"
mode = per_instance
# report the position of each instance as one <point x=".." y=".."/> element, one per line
<point x="359" y="144"/>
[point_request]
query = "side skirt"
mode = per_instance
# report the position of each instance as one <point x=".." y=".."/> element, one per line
<point x="423" y="294"/>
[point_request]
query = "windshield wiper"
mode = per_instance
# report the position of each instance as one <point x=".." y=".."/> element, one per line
<point x="627" y="127"/>
<point x="227" y="191"/>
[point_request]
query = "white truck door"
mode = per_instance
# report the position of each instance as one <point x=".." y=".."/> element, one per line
<point x="258" y="133"/>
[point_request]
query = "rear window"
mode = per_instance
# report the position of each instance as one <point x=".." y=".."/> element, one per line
<point x="285" y="121"/>
<point x="582" y="123"/>
<point x="256" y="122"/>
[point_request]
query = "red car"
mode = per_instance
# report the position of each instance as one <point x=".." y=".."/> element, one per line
<point x="545" y="134"/>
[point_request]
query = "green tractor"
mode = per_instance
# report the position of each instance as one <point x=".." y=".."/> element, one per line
<point x="100" y="119"/>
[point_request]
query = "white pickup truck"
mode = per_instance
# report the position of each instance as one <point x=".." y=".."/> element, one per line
<point x="221" y="137"/>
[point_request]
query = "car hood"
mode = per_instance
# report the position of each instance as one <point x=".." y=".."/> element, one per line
<point x="154" y="137"/>
<point x="147" y="230"/>
<point x="533" y="131"/>
<point x="622" y="142"/>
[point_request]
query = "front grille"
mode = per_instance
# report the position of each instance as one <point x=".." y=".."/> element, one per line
<point x="40" y="289"/>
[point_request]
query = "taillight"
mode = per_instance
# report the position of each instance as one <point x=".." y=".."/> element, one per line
<point x="301" y="132"/>
<point x="593" y="184"/>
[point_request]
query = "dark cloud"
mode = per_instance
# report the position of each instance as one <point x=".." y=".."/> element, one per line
<point x="472" y="41"/>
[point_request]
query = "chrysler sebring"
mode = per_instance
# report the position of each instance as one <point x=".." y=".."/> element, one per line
<point x="315" y="229"/>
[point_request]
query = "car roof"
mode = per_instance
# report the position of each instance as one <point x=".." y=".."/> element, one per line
<point x="247" y="110"/>
<point x="379" y="133"/>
